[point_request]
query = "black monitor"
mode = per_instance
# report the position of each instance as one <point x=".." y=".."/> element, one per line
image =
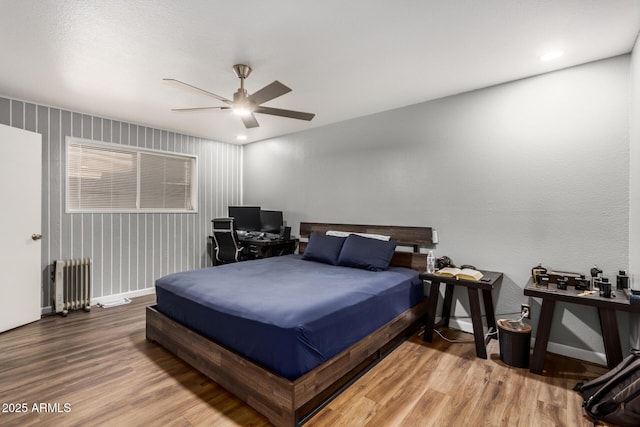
<point x="271" y="221"/>
<point x="247" y="218"/>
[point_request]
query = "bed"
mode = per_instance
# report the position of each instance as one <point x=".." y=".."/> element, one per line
<point x="225" y="320"/>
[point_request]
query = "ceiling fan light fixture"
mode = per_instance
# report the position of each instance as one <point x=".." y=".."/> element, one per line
<point x="244" y="105"/>
<point x="241" y="110"/>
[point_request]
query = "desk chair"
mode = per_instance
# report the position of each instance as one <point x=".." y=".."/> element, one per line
<point x="225" y="239"/>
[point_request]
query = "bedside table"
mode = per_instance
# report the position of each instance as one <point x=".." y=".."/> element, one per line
<point x="473" y="289"/>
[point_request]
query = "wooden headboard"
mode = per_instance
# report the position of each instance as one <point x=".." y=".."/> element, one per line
<point x="415" y="237"/>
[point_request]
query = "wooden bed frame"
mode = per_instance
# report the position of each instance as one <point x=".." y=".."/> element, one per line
<point x="278" y="398"/>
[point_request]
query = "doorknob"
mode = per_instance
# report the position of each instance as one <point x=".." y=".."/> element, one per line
<point x="36" y="236"/>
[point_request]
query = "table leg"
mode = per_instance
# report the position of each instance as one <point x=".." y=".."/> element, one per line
<point x="290" y="248"/>
<point x="610" y="336"/>
<point x="487" y="299"/>
<point x="430" y="320"/>
<point x="542" y="336"/>
<point x="476" y="319"/>
<point x="446" y="306"/>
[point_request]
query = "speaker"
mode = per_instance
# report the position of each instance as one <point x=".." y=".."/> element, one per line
<point x="285" y="233"/>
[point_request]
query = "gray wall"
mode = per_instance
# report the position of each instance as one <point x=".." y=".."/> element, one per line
<point x="528" y="171"/>
<point x="129" y="251"/>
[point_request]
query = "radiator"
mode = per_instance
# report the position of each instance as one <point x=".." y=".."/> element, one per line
<point x="72" y="285"/>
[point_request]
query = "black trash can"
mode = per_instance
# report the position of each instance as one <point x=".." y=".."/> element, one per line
<point x="515" y="343"/>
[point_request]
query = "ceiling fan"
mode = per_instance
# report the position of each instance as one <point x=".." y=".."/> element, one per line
<point x="244" y="104"/>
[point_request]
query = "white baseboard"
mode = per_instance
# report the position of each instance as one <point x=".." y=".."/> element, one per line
<point x="576" y="353"/>
<point x="552" y="347"/>
<point x="132" y="294"/>
<point x="103" y="299"/>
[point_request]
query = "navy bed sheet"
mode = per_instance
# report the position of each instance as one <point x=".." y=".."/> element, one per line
<point x="284" y="313"/>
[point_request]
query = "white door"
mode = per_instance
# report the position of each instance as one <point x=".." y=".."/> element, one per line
<point x="20" y="213"/>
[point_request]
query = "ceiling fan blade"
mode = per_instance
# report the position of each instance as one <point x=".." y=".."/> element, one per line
<point x="269" y="92"/>
<point x="285" y="113"/>
<point x="197" y="89"/>
<point x="196" y="108"/>
<point x="250" y="121"/>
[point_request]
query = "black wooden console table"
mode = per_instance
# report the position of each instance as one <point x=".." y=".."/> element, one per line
<point x="492" y="278"/>
<point x="266" y="248"/>
<point x="607" y="308"/>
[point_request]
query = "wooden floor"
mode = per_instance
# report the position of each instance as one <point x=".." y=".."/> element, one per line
<point x="97" y="369"/>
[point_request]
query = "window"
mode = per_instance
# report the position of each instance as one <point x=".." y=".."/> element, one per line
<point x="112" y="177"/>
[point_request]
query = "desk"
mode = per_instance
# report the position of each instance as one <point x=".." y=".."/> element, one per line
<point x="268" y="248"/>
<point x="607" y="308"/>
<point x="473" y="289"/>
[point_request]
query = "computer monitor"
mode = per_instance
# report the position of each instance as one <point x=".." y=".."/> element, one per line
<point x="271" y="221"/>
<point x="247" y="218"/>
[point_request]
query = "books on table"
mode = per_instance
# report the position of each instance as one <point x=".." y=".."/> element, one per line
<point x="462" y="274"/>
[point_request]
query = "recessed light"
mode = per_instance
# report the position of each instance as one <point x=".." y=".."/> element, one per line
<point x="241" y="137"/>
<point x="554" y="54"/>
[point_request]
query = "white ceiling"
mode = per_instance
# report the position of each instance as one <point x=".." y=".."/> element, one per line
<point x="343" y="59"/>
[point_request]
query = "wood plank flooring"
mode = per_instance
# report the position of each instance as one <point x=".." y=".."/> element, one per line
<point x="97" y="368"/>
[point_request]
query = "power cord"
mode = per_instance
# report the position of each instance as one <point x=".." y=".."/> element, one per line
<point x="515" y="321"/>
<point x="488" y="334"/>
<point x="453" y="341"/>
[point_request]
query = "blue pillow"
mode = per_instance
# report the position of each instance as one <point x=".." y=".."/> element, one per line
<point x="323" y="248"/>
<point x="366" y="253"/>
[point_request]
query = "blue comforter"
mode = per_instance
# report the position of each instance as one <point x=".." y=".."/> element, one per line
<point x="284" y="313"/>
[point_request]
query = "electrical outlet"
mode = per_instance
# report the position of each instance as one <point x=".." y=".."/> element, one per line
<point x="525" y="311"/>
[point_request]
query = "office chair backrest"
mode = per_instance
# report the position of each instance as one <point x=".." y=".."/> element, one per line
<point x="225" y="239"/>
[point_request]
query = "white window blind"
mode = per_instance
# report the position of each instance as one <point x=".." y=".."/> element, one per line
<point x="165" y="182"/>
<point x="109" y="177"/>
